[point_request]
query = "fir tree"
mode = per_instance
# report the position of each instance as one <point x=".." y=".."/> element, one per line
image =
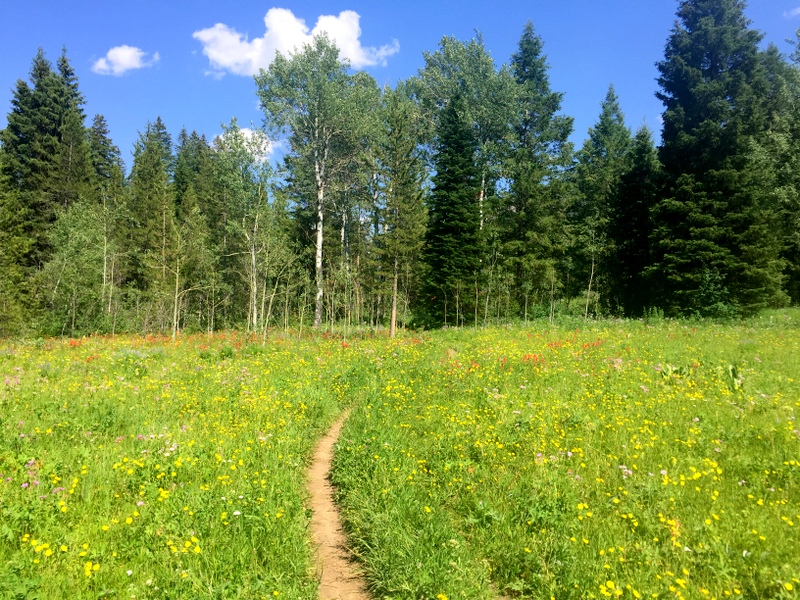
<point x="534" y="215"/>
<point x="402" y="170"/>
<point x="151" y="206"/>
<point x="453" y="239"/>
<point x="710" y="256"/>
<point x="630" y="227"/>
<point x="601" y="162"/>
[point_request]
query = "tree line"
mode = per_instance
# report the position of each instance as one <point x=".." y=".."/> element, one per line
<point x="454" y="198"/>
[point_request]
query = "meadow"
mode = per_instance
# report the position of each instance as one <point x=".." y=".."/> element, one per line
<point x="611" y="460"/>
<point x="581" y="460"/>
<point x="142" y="468"/>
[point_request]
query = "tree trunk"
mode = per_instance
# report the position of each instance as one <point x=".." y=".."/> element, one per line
<point x="589" y="290"/>
<point x="318" y="254"/>
<point x="393" y="321"/>
<point x="176" y="300"/>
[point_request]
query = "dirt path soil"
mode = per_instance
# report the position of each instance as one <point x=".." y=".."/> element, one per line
<point x="340" y="577"/>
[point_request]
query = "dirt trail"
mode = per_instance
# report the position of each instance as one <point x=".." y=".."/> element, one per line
<point x="340" y="577"/>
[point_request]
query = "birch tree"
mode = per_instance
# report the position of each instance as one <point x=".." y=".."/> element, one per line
<point x="312" y="99"/>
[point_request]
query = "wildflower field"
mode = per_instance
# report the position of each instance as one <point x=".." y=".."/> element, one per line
<point x="142" y="468"/>
<point x="586" y="460"/>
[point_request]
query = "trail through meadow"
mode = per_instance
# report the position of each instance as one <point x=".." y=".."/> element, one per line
<point x="340" y="577"/>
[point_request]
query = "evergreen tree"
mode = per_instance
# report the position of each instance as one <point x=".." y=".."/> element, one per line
<point x="601" y="162"/>
<point x="402" y="170"/>
<point x="72" y="178"/>
<point x="105" y="156"/>
<point x="487" y="96"/>
<point x="15" y="248"/>
<point x="630" y="227"/>
<point x="151" y="206"/>
<point x="534" y="216"/>
<point x="31" y="146"/>
<point x="453" y="238"/>
<point x="109" y="196"/>
<point x="778" y="156"/>
<point x="710" y="256"/>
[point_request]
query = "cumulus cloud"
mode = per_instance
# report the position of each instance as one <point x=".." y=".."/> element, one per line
<point x="255" y="140"/>
<point x="229" y="50"/>
<point x="121" y="59"/>
<point x="790" y="14"/>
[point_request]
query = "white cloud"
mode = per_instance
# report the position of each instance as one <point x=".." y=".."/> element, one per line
<point x="789" y="14"/>
<point x="121" y="59"/>
<point x="256" y="142"/>
<point x="229" y="50"/>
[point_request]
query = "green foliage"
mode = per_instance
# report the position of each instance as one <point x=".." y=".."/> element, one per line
<point x="713" y="222"/>
<point x="328" y="114"/>
<point x="453" y="242"/>
<point x="533" y="216"/>
<point x="454" y="198"/>
<point x="403" y="212"/>
<point x="630" y="229"/>
<point x="600" y="164"/>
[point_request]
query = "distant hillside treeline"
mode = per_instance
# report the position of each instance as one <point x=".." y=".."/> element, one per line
<point x="455" y="198"/>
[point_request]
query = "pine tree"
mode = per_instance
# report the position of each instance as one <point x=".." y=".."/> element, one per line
<point x="710" y="257"/>
<point x="453" y="239"/>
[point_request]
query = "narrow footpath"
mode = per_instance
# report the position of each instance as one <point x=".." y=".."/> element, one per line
<point x="340" y="577"/>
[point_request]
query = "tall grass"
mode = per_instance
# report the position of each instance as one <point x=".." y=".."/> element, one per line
<point x="567" y="460"/>
<point x="621" y="459"/>
<point x="139" y="468"/>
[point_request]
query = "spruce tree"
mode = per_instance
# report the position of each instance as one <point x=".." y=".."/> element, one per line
<point x="402" y="170"/>
<point x="630" y="227"/>
<point x="534" y="215"/>
<point x="601" y="162"/>
<point x="31" y="144"/>
<point x="109" y="196"/>
<point x="104" y="154"/>
<point x="46" y="162"/>
<point x="710" y="256"/>
<point x="453" y="238"/>
<point x="151" y="206"/>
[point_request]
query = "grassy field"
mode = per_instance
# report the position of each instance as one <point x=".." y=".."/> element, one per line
<point x="582" y="461"/>
<point x="139" y="468"/>
<point x="614" y="460"/>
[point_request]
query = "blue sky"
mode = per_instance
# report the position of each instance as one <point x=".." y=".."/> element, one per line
<point x="188" y="61"/>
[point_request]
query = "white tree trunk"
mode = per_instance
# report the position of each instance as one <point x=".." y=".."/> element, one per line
<point x="318" y="254"/>
<point x="393" y="322"/>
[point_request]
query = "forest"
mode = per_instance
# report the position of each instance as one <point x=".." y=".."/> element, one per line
<point x="453" y="199"/>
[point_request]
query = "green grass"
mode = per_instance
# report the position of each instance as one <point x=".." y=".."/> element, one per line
<point x="618" y="460"/>
<point x="141" y="468"/>
<point x="576" y="460"/>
